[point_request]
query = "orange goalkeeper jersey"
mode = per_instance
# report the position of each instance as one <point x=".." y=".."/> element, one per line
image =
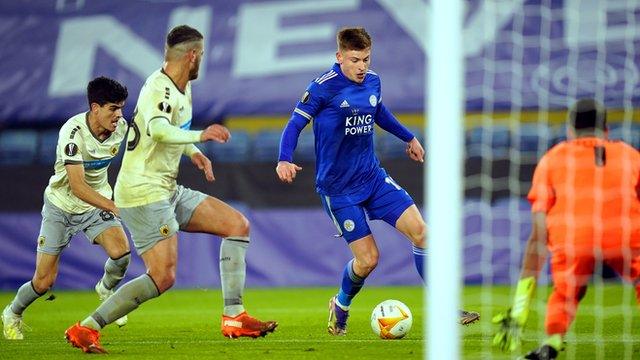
<point x="588" y="187"/>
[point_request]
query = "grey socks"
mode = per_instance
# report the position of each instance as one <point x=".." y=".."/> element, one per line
<point x="233" y="273"/>
<point x="114" y="270"/>
<point x="128" y="297"/>
<point x="24" y="297"/>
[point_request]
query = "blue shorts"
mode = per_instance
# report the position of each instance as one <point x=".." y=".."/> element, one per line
<point x="384" y="200"/>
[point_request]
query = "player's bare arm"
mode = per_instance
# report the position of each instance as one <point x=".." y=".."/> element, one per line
<point x="287" y="171"/>
<point x="84" y="192"/>
<point x="415" y="151"/>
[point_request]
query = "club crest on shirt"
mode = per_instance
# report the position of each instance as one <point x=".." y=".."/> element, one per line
<point x="164" y="230"/>
<point x="305" y="97"/>
<point x="71" y="149"/>
<point x="165" y="107"/>
<point x="373" y="100"/>
<point x="349" y="225"/>
<point x="114" y="150"/>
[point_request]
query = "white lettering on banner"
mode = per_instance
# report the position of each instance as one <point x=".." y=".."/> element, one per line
<point x="80" y="38"/>
<point x="482" y="27"/>
<point x="260" y="35"/>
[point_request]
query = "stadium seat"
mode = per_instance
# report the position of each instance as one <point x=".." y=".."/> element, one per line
<point x="629" y="133"/>
<point x="47" y="142"/>
<point x="266" y="146"/>
<point x="532" y="139"/>
<point x="388" y="146"/>
<point x="18" y="147"/>
<point x="558" y="134"/>
<point x="238" y="149"/>
<point x="496" y="138"/>
<point x="306" y="149"/>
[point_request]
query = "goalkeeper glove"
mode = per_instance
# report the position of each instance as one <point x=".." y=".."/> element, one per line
<point x="511" y="322"/>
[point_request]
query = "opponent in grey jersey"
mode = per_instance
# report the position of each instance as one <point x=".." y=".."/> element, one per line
<point x="155" y="208"/>
<point x="78" y="198"/>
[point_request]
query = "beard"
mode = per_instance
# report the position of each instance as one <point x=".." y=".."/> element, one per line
<point x="193" y="73"/>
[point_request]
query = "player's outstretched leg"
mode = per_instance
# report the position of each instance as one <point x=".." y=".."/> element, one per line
<point x="85" y="338"/>
<point x="235" y="320"/>
<point x="12" y="324"/>
<point x="103" y="295"/>
<point x="337" y="318"/>
<point x="339" y="304"/>
<point x="126" y="299"/>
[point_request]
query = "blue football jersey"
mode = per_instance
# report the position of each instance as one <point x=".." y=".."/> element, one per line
<point x="343" y="114"/>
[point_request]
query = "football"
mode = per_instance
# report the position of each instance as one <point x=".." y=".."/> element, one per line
<point x="391" y="319"/>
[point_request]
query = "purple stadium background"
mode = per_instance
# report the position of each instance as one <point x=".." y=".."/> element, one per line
<point x="254" y="68"/>
<point x="289" y="248"/>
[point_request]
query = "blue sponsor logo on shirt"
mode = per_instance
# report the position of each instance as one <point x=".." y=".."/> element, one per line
<point x="96" y="164"/>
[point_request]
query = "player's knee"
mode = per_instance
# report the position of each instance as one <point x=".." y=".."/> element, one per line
<point x="239" y="227"/>
<point x="368" y="263"/>
<point x="165" y="280"/>
<point x="419" y="234"/>
<point x="122" y="248"/>
<point x="118" y="251"/>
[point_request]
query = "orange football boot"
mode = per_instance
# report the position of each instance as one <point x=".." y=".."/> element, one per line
<point x="246" y="325"/>
<point x="84" y="338"/>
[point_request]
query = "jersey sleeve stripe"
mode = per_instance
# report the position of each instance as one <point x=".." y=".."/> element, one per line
<point x="326" y="78"/>
<point x="97" y="164"/>
<point x="325" y="75"/>
<point x="186" y="126"/>
<point x="304" y="114"/>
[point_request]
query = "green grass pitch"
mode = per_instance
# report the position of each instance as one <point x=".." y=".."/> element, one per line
<point x="185" y="324"/>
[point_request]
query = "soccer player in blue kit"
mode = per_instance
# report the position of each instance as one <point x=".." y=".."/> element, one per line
<point x="344" y="104"/>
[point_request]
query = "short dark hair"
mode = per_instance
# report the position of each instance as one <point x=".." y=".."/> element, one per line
<point x="588" y="114"/>
<point x="355" y="38"/>
<point x="102" y="90"/>
<point x="181" y="34"/>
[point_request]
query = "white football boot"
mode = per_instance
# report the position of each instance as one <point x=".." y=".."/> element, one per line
<point x="12" y="324"/>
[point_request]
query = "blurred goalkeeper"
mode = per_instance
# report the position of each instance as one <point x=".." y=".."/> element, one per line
<point x="585" y="200"/>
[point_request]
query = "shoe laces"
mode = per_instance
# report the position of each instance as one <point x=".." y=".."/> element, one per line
<point x="20" y="324"/>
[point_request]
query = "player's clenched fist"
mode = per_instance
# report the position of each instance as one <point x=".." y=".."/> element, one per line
<point x="415" y="150"/>
<point x="287" y="171"/>
<point x="216" y="133"/>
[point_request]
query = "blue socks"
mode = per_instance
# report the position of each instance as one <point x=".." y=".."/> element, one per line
<point x="351" y="285"/>
<point x="420" y="257"/>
